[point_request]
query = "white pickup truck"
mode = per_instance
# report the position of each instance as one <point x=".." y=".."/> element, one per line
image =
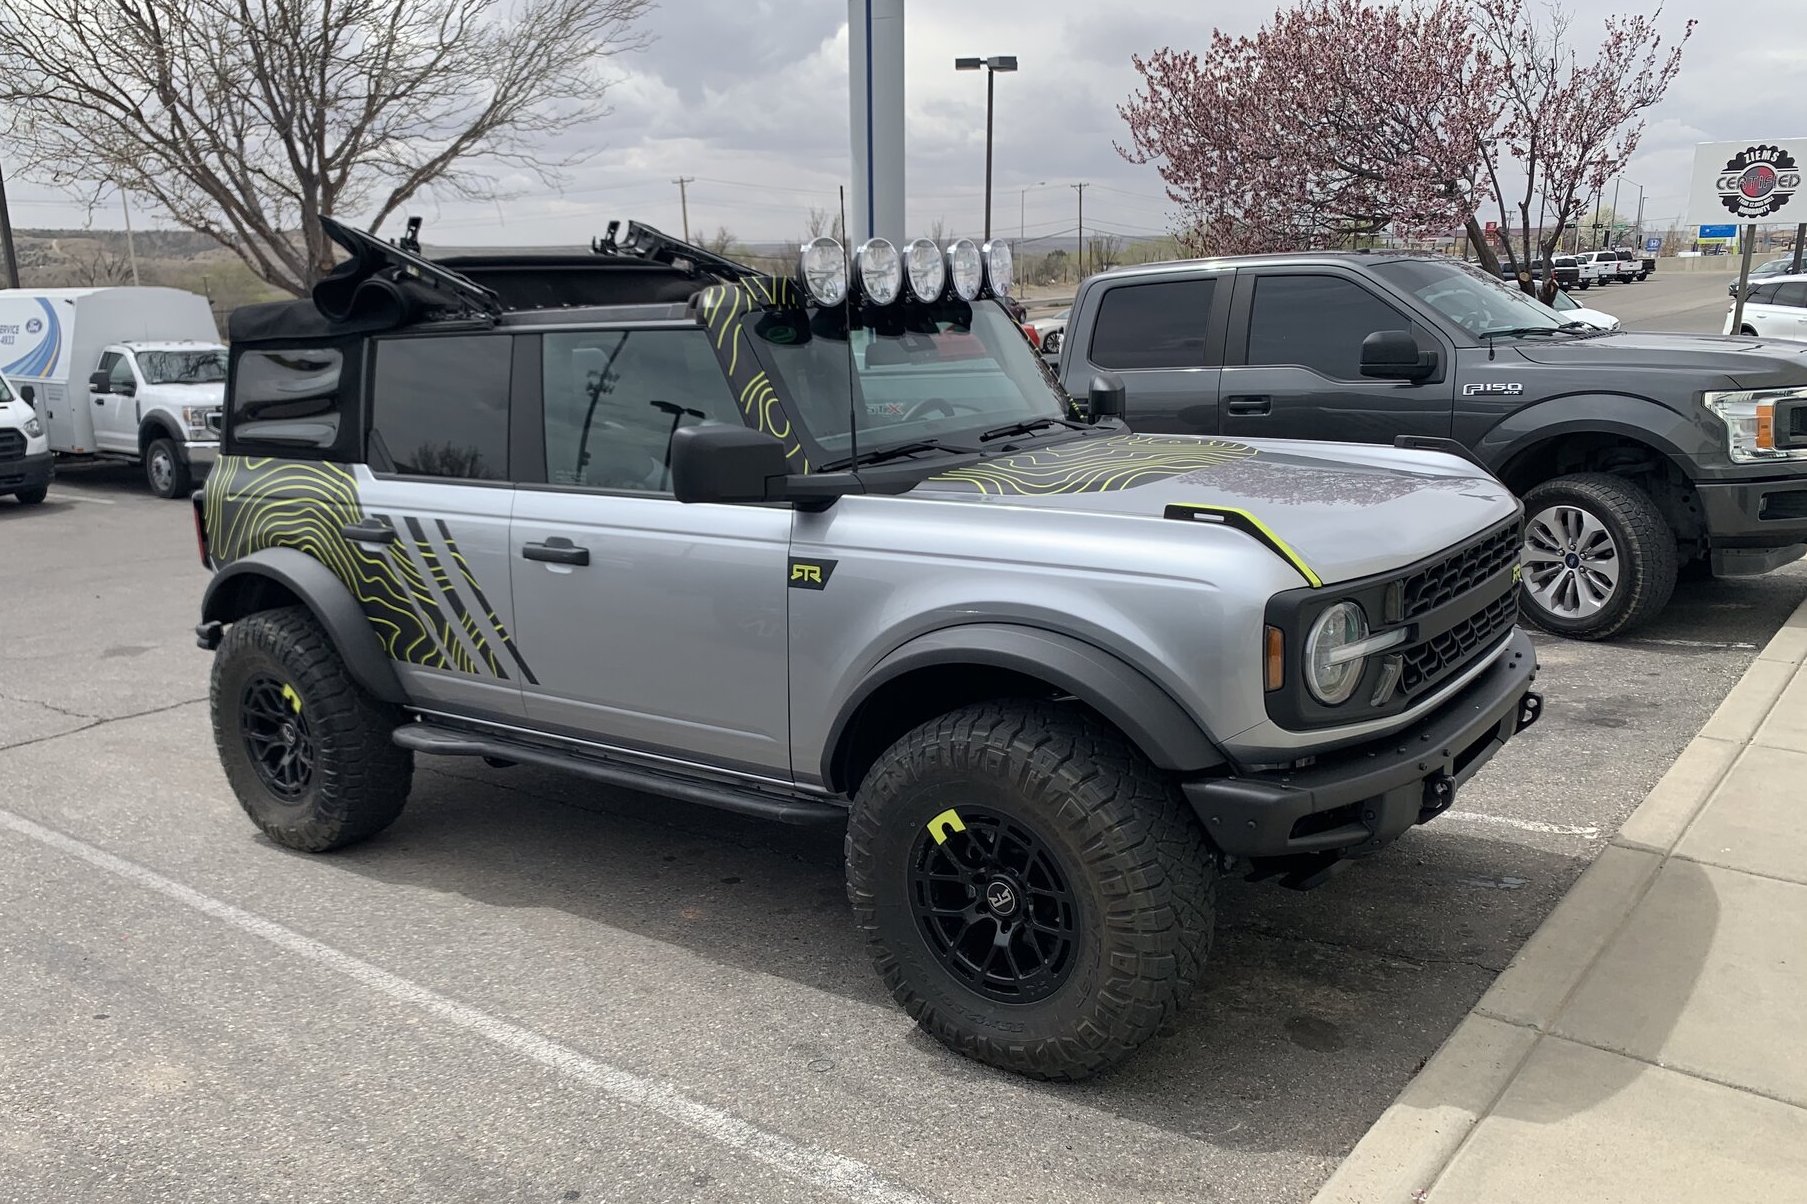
<point x="134" y="374"/>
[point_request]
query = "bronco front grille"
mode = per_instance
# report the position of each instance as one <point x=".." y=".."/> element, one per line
<point x="1427" y="664"/>
<point x="12" y="445"/>
<point x="1449" y="579"/>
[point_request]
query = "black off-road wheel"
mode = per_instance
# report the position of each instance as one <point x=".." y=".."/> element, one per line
<point x="306" y="750"/>
<point x="1032" y="891"/>
<point x="1598" y="557"/>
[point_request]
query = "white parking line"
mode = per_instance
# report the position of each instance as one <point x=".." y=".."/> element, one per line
<point x="1589" y="832"/>
<point x="1713" y="644"/>
<point x="64" y="495"/>
<point x="819" y="1168"/>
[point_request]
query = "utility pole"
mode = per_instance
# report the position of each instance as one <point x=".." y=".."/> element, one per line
<point x="1080" y="189"/>
<point x="6" y="238"/>
<point x="1022" y="210"/>
<point x="684" y="200"/>
<point x="131" y="246"/>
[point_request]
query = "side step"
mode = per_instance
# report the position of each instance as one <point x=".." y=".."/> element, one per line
<point x="454" y="742"/>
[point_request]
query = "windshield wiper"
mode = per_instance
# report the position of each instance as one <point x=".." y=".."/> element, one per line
<point x="1029" y="427"/>
<point x="897" y="453"/>
<point x="1516" y="332"/>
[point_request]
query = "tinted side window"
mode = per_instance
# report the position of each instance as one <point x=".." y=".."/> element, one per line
<point x="440" y="406"/>
<point x="1317" y="322"/>
<point x="1792" y="293"/>
<point x="1761" y="294"/>
<point x="1153" y="325"/>
<point x="614" y="397"/>
<point x="286" y="397"/>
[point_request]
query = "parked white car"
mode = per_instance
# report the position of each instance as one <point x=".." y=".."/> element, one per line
<point x="1571" y="310"/>
<point x="1775" y="309"/>
<point x="1047" y="332"/>
<point x="25" y="461"/>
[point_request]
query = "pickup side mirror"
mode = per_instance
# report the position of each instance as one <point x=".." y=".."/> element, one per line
<point x="1107" y="398"/>
<point x="29" y="395"/>
<point x="735" y="464"/>
<point x="98" y="382"/>
<point x="1394" y="355"/>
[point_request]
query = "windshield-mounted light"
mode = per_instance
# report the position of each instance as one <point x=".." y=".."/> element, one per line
<point x="999" y="264"/>
<point x="925" y="269"/>
<point x="965" y="268"/>
<point x="881" y="271"/>
<point x="822" y="266"/>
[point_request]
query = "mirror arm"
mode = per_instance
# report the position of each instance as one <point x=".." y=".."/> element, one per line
<point x="815" y="490"/>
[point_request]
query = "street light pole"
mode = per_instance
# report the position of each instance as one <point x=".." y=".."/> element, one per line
<point x="1022" y="209"/>
<point x="992" y="65"/>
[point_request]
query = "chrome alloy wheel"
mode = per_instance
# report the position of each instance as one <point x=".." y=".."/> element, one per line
<point x="1571" y="562"/>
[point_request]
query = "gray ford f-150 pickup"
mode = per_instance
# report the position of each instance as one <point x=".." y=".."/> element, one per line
<point x="1638" y="455"/>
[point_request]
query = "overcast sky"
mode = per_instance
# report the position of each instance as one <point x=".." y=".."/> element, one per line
<point x="750" y="97"/>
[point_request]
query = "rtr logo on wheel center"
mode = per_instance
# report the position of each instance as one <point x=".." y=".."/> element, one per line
<point x="1000" y="896"/>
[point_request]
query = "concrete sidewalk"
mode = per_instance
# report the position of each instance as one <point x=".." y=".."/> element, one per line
<point x="1649" y="1043"/>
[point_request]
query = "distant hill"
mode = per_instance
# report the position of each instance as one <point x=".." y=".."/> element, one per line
<point x="171" y="258"/>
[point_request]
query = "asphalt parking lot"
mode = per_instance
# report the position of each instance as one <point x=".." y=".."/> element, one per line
<point x="537" y="989"/>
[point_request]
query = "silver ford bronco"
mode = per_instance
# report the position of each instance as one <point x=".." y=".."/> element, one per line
<point x="835" y="549"/>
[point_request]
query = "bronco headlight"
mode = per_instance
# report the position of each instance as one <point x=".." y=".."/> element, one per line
<point x="965" y="268"/>
<point x="999" y="265"/>
<point x="881" y="271"/>
<point x="1750" y="423"/>
<point x="926" y="269"/>
<point x="822" y="265"/>
<point x="1333" y="657"/>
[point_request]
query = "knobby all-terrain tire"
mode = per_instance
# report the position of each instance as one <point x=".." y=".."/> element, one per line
<point x="1645" y="543"/>
<point x="1142" y="875"/>
<point x="360" y="779"/>
<point x="31" y="497"/>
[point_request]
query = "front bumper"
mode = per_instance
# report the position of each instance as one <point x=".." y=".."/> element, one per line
<point x="199" y="454"/>
<point x="1358" y="800"/>
<point x="29" y="472"/>
<point x="1757" y="522"/>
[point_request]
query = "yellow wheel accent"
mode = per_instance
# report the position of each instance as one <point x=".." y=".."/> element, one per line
<point x="945" y="825"/>
<point x="293" y="699"/>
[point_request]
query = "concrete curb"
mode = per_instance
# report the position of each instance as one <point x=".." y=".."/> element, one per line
<point x="1401" y="1157"/>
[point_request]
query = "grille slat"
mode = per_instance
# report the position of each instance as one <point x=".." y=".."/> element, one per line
<point x="1428" y="663"/>
<point x="1447" y="580"/>
<point x="12" y="445"/>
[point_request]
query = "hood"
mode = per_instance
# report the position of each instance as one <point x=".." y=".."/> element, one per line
<point x="1750" y="363"/>
<point x="1346" y="510"/>
<point x="187" y="395"/>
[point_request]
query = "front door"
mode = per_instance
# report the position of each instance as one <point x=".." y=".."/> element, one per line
<point x="1294" y="369"/>
<point x="1163" y="339"/>
<point x="115" y="411"/>
<point x="651" y="625"/>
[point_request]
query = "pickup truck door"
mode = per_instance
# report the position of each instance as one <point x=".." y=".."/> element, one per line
<point x="651" y="625"/>
<point x="116" y="410"/>
<point x="1164" y="338"/>
<point x="1292" y="369"/>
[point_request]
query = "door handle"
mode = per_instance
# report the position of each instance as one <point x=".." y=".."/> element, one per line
<point x="369" y="531"/>
<point x="1249" y="404"/>
<point x="100" y="399"/>
<point x="556" y="550"/>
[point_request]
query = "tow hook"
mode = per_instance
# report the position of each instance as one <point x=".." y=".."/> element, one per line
<point x="1439" y="793"/>
<point x="1530" y="709"/>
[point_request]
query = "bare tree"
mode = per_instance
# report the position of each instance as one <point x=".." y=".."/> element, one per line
<point x="722" y="242"/>
<point x="101" y="262"/>
<point x="821" y="221"/>
<point x="247" y="120"/>
<point x="1569" y="126"/>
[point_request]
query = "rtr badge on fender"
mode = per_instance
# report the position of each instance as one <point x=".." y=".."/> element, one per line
<point x="811" y="574"/>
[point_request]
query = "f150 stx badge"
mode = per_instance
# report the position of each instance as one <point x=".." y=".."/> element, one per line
<point x="1494" y="389"/>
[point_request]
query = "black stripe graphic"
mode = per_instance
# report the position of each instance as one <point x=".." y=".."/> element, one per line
<point x="438" y="578"/>
<point x="489" y="611"/>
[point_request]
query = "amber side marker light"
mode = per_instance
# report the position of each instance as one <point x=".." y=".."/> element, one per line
<point x="1766" y="426"/>
<point x="1275" y="659"/>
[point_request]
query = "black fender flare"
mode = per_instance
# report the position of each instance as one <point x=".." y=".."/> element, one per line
<point x="1140" y="708"/>
<point x="158" y="425"/>
<point x="234" y="590"/>
<point x="1633" y="418"/>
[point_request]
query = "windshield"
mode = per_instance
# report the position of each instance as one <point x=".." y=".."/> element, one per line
<point x="6" y="394"/>
<point x="1563" y="301"/>
<point x="948" y="372"/>
<point x="201" y="367"/>
<point x="1468" y="296"/>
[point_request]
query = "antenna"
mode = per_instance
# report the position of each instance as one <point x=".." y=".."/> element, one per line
<point x="853" y="416"/>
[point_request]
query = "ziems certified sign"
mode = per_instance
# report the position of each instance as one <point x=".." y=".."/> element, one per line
<point x="1748" y="182"/>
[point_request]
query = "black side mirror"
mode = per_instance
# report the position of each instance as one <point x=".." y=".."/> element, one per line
<point x="29" y="395"/>
<point x="1107" y="398"/>
<point x="1394" y="355"/>
<point x="722" y="463"/>
<point x="97" y="382"/>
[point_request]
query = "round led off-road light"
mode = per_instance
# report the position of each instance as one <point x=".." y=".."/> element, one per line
<point x="925" y="269"/>
<point x="999" y="266"/>
<point x="822" y="266"/>
<point x="965" y="268"/>
<point x="881" y="271"/>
